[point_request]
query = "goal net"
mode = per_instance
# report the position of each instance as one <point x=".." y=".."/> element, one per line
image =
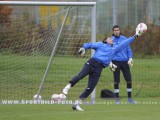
<point x="39" y="46"/>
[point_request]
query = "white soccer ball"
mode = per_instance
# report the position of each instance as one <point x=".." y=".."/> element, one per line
<point x="58" y="97"/>
<point x="39" y="97"/>
<point x="55" y="97"/>
<point x="62" y="97"/>
<point x="142" y="27"/>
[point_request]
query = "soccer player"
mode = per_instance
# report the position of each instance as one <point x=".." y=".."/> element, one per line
<point x="104" y="53"/>
<point x="123" y="60"/>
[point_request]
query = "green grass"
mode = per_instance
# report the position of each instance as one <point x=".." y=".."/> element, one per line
<point x="20" y="76"/>
<point x="141" y="111"/>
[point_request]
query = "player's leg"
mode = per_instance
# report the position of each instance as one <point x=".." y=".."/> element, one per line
<point x="85" y="71"/>
<point x="91" y="85"/>
<point x="92" y="82"/>
<point x="116" y="76"/>
<point x="127" y="76"/>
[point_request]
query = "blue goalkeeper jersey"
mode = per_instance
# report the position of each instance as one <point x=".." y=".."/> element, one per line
<point x="126" y="53"/>
<point x="105" y="52"/>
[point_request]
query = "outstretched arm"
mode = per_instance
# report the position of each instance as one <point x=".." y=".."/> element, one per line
<point x="89" y="45"/>
<point x="124" y="44"/>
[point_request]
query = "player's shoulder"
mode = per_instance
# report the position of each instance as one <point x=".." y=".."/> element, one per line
<point x="123" y="37"/>
<point x="99" y="42"/>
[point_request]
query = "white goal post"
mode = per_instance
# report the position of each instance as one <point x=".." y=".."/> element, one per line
<point x="66" y="4"/>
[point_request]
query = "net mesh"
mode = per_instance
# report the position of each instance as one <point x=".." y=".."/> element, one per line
<point x="26" y="46"/>
<point x="28" y="35"/>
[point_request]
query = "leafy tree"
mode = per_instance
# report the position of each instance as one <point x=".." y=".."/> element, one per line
<point x="5" y="12"/>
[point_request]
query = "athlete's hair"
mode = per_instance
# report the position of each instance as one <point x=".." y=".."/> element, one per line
<point x="104" y="39"/>
<point x="115" y="26"/>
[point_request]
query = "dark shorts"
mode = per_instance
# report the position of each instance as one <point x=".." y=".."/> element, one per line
<point x="92" y="68"/>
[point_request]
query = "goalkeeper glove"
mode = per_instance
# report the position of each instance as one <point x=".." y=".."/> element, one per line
<point x="81" y="51"/>
<point x="112" y="67"/>
<point x="138" y="33"/>
<point x="130" y="62"/>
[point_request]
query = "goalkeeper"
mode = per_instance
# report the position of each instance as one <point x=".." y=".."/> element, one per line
<point x="123" y="61"/>
<point x="104" y="52"/>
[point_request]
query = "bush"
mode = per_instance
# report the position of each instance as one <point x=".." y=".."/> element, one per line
<point x="148" y="43"/>
<point x="5" y="13"/>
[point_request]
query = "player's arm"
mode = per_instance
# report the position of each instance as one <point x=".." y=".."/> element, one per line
<point x="88" y="46"/>
<point x="129" y="52"/>
<point x="139" y="31"/>
<point x="124" y="44"/>
<point x="130" y="56"/>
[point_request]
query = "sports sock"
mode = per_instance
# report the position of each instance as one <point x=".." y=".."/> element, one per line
<point x="77" y="102"/>
<point x="116" y="90"/>
<point x="129" y="90"/>
<point x="68" y="86"/>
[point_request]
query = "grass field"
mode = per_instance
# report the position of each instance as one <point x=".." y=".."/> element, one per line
<point x="146" y="109"/>
<point x="20" y="77"/>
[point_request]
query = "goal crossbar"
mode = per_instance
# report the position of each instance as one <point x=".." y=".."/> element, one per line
<point x="34" y="3"/>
